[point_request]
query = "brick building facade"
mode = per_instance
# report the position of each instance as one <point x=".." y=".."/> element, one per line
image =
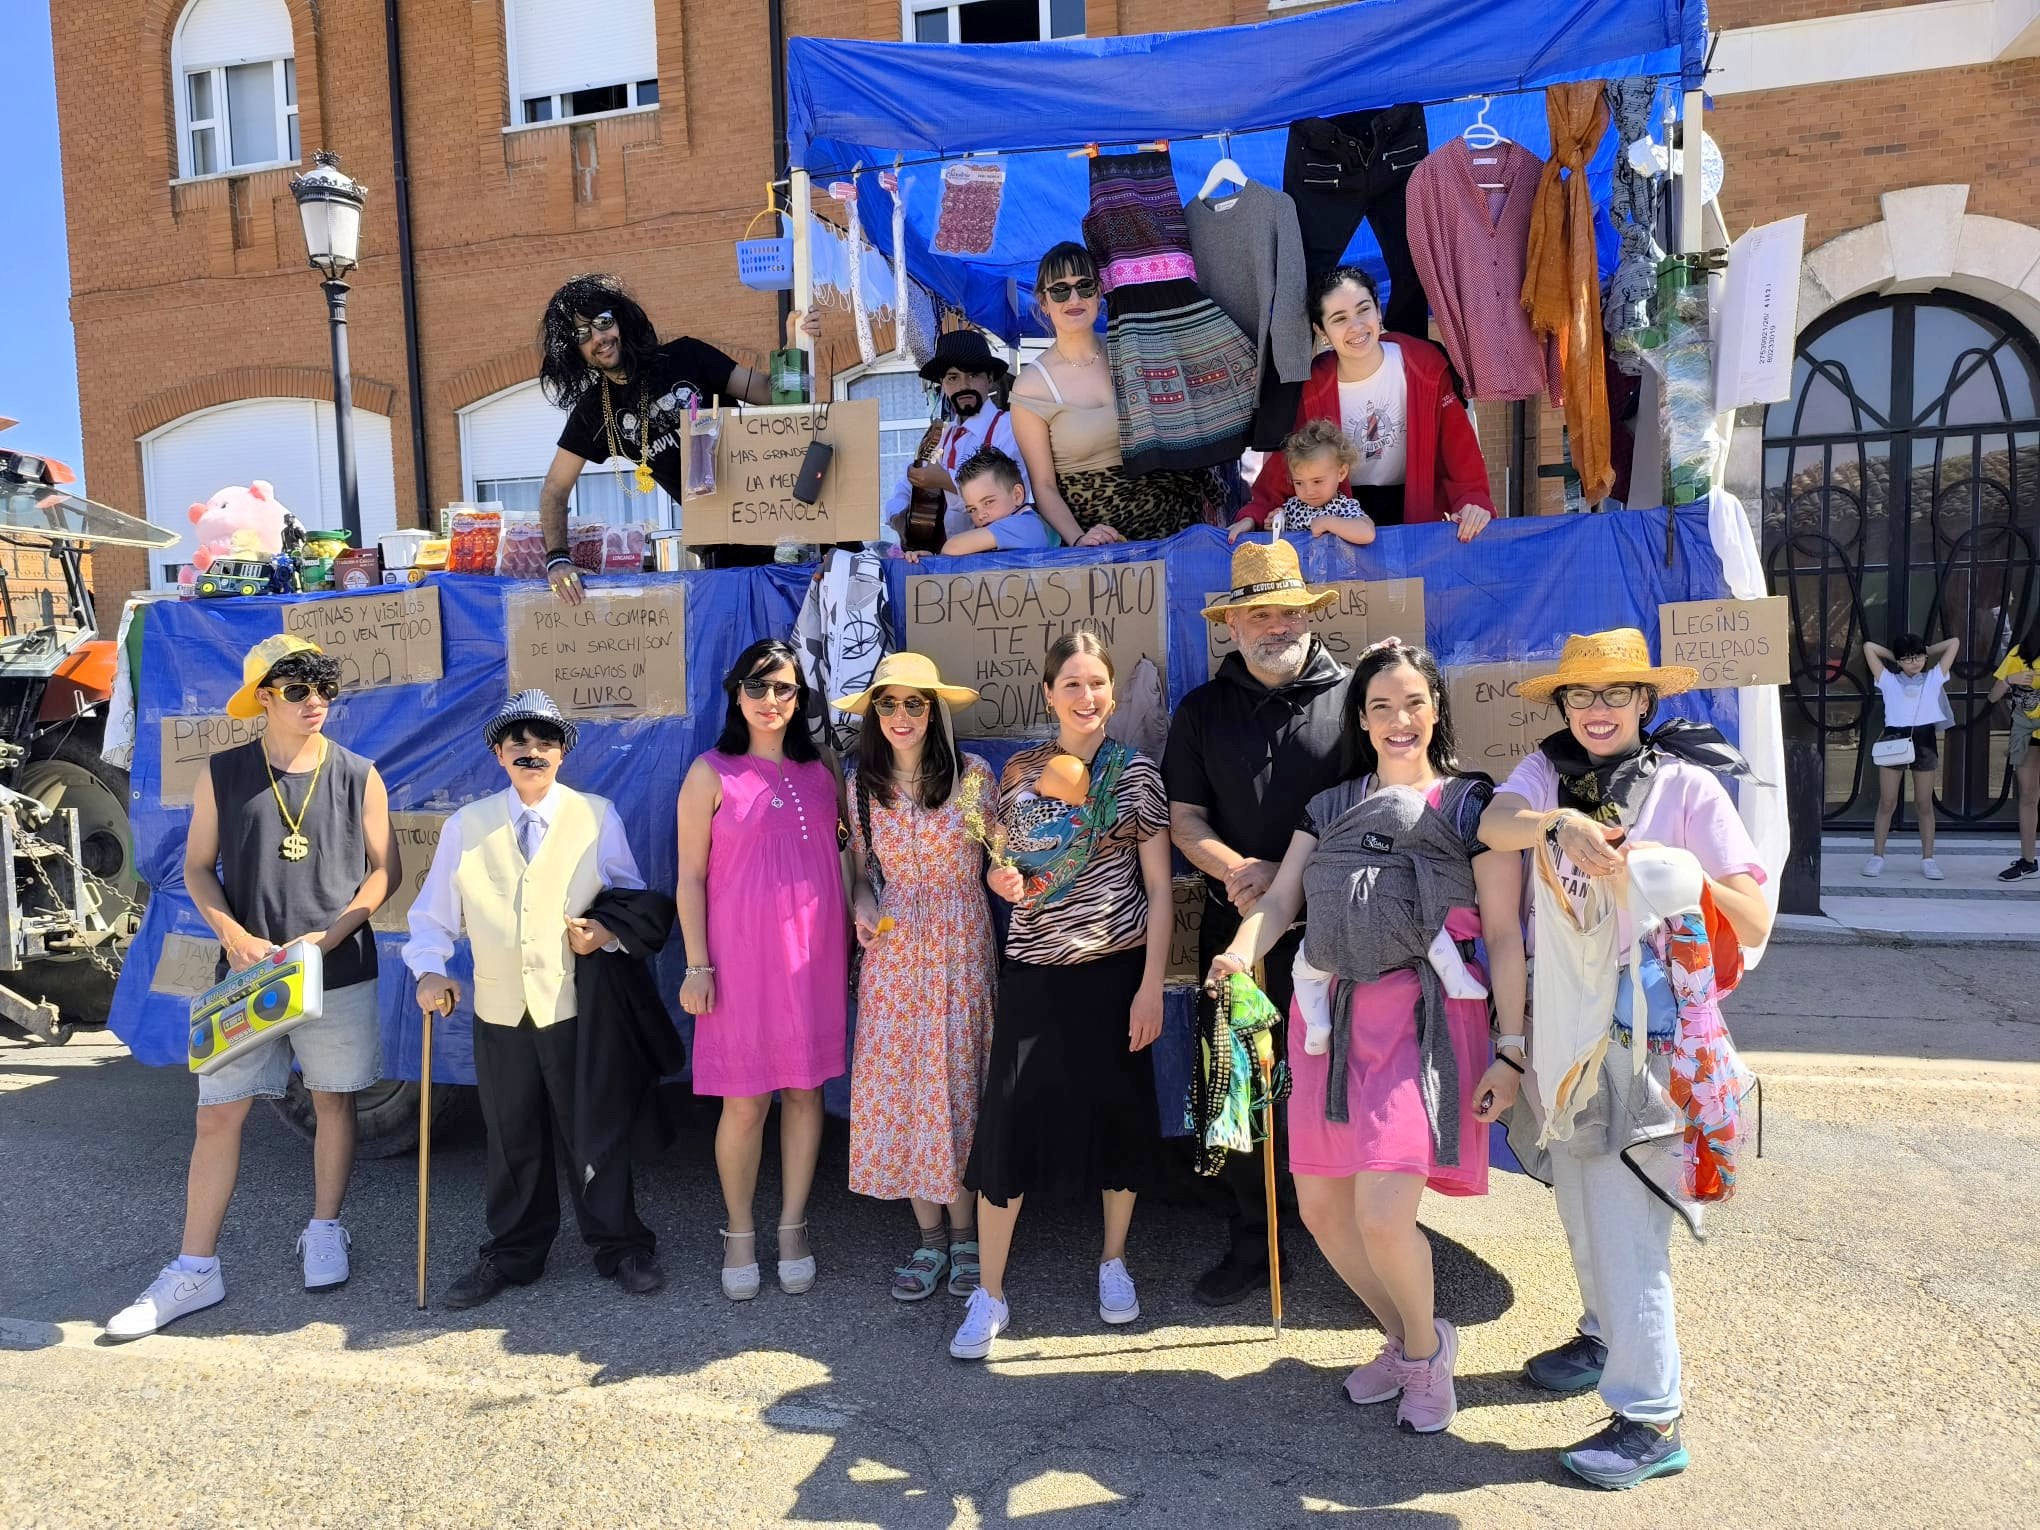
<point x="190" y="293"/>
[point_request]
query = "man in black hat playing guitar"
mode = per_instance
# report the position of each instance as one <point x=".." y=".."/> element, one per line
<point x="965" y="369"/>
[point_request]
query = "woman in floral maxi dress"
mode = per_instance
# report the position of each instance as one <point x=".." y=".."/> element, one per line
<point x="926" y="994"/>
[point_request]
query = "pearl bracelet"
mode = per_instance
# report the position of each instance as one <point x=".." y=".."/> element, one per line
<point x="704" y="971"/>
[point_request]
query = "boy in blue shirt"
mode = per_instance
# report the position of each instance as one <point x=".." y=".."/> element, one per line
<point x="1001" y="517"/>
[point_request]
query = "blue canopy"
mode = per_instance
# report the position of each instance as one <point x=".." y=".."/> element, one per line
<point x="868" y="106"/>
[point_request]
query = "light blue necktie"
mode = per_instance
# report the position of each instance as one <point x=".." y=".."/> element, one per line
<point x="530" y="830"/>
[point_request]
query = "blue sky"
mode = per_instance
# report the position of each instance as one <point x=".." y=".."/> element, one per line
<point x="38" y="366"/>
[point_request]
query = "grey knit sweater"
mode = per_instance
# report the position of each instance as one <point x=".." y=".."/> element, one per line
<point x="1249" y="255"/>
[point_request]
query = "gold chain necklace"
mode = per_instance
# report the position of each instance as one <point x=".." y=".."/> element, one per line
<point x="295" y="846"/>
<point x="642" y="479"/>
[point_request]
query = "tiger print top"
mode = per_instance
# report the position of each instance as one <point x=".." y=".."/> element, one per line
<point x="1105" y="908"/>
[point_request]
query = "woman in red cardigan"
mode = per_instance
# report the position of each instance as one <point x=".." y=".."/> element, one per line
<point x="1392" y="395"/>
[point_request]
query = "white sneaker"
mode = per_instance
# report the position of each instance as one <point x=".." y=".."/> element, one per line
<point x="324" y="1250"/>
<point x="174" y="1294"/>
<point x="1874" y="867"/>
<point x="1116" y="1301"/>
<point x="984" y="1319"/>
<point x="1931" y="871"/>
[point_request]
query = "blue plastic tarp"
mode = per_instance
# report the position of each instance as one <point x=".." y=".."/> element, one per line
<point x="869" y="105"/>
<point x="1515" y="592"/>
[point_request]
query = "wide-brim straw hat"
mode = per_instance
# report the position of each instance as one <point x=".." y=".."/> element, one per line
<point x="1619" y="656"/>
<point x="257" y="664"/>
<point x="1267" y="574"/>
<point x="911" y="671"/>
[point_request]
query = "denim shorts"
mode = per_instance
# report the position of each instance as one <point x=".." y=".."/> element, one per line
<point x="338" y="1053"/>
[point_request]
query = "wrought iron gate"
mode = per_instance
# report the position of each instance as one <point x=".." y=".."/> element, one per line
<point x="1902" y="493"/>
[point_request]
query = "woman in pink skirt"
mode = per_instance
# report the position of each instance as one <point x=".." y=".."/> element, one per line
<point x="1396" y="1076"/>
<point x="761" y="908"/>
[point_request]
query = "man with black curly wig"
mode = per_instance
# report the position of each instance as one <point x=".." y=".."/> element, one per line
<point x="627" y="396"/>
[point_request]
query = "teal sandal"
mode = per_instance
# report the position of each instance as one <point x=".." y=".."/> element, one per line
<point x="963" y="1267"/>
<point x="916" y="1280"/>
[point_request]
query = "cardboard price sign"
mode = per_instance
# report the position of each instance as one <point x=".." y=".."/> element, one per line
<point x="417" y="839"/>
<point x="1731" y="642"/>
<point x="188" y="742"/>
<point x="186" y="966"/>
<point x="1366" y="611"/>
<point x="1185" y="932"/>
<point x="990" y="631"/>
<point x="758" y="461"/>
<point x="620" y="654"/>
<point x="382" y="637"/>
<point x="1494" y="726"/>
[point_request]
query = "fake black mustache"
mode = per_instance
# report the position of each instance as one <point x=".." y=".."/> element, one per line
<point x="532" y="762"/>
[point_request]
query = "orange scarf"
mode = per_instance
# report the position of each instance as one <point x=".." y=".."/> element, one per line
<point x="1562" y="282"/>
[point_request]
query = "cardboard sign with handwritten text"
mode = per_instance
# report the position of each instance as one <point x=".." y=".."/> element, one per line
<point x="185" y="966"/>
<point x="758" y="461"/>
<point x="1495" y="727"/>
<point x="990" y="630"/>
<point x="1366" y="611"/>
<point x="188" y="742"/>
<point x="620" y="654"/>
<point x="1731" y="642"/>
<point x="417" y="838"/>
<point x="380" y="637"/>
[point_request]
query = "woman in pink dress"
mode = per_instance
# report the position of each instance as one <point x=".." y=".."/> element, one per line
<point x="930" y="974"/>
<point x="761" y="892"/>
<point x="1396" y="1080"/>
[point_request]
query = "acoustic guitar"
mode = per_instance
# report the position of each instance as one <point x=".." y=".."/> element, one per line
<point x="926" y="509"/>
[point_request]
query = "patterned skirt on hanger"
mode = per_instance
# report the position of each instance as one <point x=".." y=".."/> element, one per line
<point x="1183" y="374"/>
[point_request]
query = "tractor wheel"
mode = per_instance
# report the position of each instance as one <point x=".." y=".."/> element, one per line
<point x="385" y="1113"/>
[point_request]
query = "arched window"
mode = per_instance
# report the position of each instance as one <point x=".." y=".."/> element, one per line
<point x="236" y="75"/>
<point x="289" y="442"/>
<point x="1902" y="494"/>
<point x="507" y="442"/>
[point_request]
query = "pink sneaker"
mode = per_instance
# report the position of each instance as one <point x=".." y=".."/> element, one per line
<point x="1428" y="1401"/>
<point x="1380" y="1378"/>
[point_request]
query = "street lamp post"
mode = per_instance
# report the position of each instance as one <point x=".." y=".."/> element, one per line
<point x="329" y="203"/>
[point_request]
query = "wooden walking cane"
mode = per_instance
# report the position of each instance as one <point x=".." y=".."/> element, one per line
<point x="1264" y="1058"/>
<point x="424" y="1150"/>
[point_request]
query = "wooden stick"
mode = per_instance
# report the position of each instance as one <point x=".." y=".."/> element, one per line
<point x="1264" y="1057"/>
<point x="424" y="1151"/>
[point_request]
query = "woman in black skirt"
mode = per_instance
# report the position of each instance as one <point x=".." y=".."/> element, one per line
<point x="1069" y="1100"/>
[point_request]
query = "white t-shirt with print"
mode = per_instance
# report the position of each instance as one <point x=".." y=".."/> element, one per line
<point x="1375" y="413"/>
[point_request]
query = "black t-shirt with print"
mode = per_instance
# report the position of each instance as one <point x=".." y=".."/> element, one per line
<point x="682" y="371"/>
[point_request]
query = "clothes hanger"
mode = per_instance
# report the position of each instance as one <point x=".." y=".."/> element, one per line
<point x="1227" y="169"/>
<point x="1483" y="134"/>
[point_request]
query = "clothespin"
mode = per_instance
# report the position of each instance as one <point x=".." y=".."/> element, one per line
<point x="1088" y="151"/>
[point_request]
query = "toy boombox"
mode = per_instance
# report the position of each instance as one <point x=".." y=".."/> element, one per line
<point x="275" y="996"/>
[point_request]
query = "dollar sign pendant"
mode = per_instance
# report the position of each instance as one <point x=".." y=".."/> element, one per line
<point x="644" y="476"/>
<point x="295" y="847"/>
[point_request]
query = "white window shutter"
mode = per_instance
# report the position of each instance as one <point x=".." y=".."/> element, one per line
<point x="216" y="32"/>
<point x="563" y="45"/>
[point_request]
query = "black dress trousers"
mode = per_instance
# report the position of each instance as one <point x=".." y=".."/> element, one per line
<point x="525" y="1077"/>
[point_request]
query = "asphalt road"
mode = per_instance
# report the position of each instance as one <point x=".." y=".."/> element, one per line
<point x="1859" y="1331"/>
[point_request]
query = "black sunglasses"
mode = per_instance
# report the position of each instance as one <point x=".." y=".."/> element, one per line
<point x="1062" y="292"/>
<point x="913" y="706"/>
<point x="778" y="690"/>
<point x="298" y="690"/>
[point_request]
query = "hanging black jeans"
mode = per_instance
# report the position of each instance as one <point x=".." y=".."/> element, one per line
<point x="1339" y="170"/>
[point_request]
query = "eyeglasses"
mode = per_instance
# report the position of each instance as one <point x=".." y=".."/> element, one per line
<point x="913" y="706"/>
<point x="778" y="690"/>
<point x="1062" y="292"/>
<point x="297" y="691"/>
<point x="1578" y="698"/>
<point x="601" y="324"/>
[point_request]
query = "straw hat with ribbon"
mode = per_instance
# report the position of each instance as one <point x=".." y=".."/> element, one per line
<point x="255" y="668"/>
<point x="1619" y="656"/>
<point x="1267" y="574"/>
<point x="910" y="671"/>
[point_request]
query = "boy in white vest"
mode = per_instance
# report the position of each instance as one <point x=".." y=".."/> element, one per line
<point x="517" y="871"/>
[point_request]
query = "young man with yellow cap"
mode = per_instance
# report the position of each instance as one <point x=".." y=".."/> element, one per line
<point x="1247" y="750"/>
<point x="290" y="840"/>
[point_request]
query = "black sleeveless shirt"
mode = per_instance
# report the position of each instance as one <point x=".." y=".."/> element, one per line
<point x="274" y="898"/>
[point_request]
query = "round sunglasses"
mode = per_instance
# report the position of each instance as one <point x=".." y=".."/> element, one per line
<point x="913" y="706"/>
<point x="1578" y="698"/>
